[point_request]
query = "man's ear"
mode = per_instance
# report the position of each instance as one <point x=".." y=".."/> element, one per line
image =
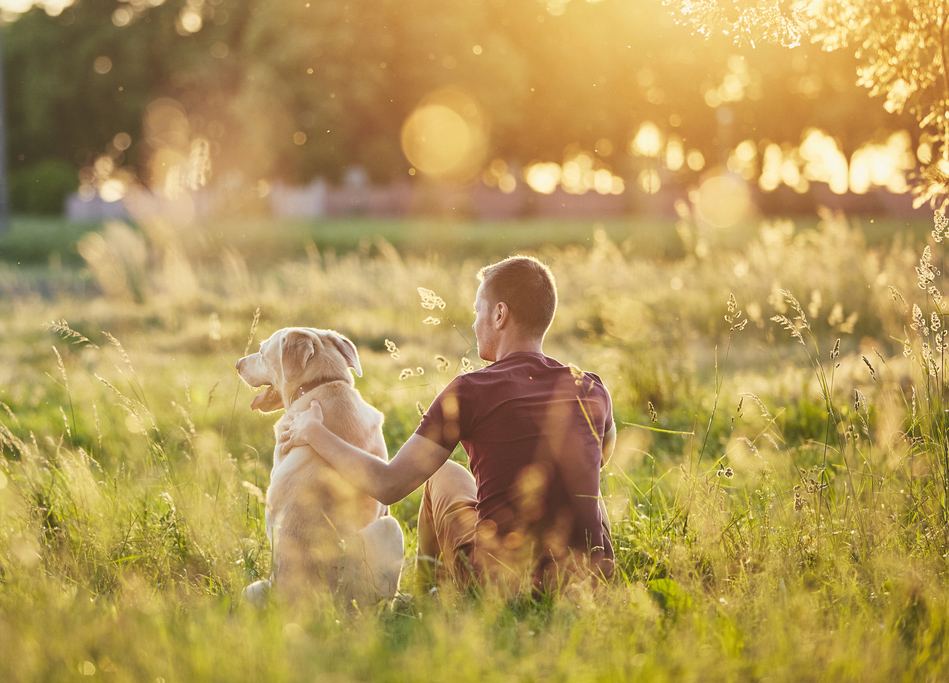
<point x="501" y="315"/>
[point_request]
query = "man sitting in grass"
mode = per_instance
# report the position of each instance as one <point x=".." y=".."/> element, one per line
<point x="536" y="433"/>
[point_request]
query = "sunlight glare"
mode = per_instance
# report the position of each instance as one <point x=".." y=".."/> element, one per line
<point x="445" y="137"/>
<point x="189" y="21"/>
<point x="648" y="140"/>
<point x="675" y="154"/>
<point x="883" y="165"/>
<point x="723" y="200"/>
<point x="542" y="177"/>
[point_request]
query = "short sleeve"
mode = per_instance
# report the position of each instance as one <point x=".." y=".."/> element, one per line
<point x="444" y="421"/>
<point x="605" y="402"/>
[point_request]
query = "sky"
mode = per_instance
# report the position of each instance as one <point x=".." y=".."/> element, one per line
<point x="19" y="6"/>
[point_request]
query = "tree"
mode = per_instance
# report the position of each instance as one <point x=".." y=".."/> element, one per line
<point x="311" y="88"/>
<point x="901" y="49"/>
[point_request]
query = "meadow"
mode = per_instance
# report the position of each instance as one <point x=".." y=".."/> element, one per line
<point x="779" y="492"/>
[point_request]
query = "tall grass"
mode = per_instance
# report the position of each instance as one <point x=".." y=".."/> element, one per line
<point x="778" y="493"/>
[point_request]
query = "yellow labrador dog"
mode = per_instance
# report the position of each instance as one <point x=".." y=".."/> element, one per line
<point x="324" y="532"/>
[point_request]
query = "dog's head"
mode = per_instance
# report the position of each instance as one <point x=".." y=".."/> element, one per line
<point x="294" y="357"/>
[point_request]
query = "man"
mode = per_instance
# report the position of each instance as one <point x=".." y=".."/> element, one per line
<point x="536" y="433"/>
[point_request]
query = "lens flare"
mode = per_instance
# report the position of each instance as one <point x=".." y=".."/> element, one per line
<point x="723" y="200"/>
<point x="445" y="138"/>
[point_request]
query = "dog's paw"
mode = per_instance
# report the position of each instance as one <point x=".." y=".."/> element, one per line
<point x="258" y="593"/>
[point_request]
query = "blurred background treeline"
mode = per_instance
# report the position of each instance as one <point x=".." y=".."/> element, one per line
<point x="610" y="97"/>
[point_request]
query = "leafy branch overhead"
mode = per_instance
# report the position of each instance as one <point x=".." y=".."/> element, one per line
<point x="901" y="49"/>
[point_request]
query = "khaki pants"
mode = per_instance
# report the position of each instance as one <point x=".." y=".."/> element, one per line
<point x="447" y="522"/>
<point x="447" y="528"/>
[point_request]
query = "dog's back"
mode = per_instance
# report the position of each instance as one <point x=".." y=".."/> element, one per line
<point x="313" y="512"/>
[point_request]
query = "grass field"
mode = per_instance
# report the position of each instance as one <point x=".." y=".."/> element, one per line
<point x="779" y="498"/>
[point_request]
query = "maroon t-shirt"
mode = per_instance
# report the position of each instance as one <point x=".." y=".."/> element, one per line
<point x="533" y="430"/>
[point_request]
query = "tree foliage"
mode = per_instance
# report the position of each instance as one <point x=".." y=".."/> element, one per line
<point x="305" y="89"/>
<point x="901" y="48"/>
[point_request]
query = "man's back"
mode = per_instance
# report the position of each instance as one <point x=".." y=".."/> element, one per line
<point x="533" y="430"/>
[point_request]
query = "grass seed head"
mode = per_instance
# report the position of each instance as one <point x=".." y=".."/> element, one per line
<point x="919" y="322"/>
<point x="253" y="331"/>
<point x="940" y="225"/>
<point x="430" y="300"/>
<point x="895" y="294"/>
<point x="926" y="272"/>
<point x="788" y="325"/>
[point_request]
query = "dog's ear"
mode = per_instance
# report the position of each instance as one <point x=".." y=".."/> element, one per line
<point x="298" y="349"/>
<point x="348" y="351"/>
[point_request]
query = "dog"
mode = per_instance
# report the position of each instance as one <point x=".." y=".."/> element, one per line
<point x="325" y="533"/>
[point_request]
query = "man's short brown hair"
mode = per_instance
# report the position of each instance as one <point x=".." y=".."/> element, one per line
<point x="527" y="287"/>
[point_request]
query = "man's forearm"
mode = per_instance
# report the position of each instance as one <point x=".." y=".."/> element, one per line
<point x="388" y="482"/>
<point x="365" y="471"/>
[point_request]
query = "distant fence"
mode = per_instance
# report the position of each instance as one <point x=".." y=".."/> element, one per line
<point x="321" y="200"/>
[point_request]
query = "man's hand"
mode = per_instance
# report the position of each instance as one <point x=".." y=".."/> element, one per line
<point x="386" y="481"/>
<point x="301" y="429"/>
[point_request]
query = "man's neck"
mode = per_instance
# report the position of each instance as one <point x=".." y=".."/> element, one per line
<point x="507" y="347"/>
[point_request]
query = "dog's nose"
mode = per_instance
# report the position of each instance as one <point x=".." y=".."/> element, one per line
<point x="238" y="363"/>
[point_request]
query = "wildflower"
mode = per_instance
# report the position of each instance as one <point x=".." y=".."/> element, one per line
<point x="392" y="349"/>
<point x="729" y="473"/>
